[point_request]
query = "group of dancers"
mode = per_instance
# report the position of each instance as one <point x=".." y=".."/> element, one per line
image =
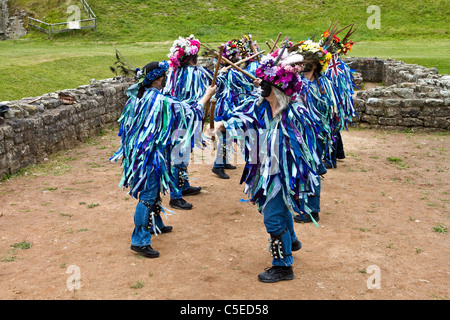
<point x="284" y="108"/>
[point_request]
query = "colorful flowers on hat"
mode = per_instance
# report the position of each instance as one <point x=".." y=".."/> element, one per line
<point x="232" y="48"/>
<point x="251" y="47"/>
<point x="183" y="48"/>
<point x="152" y="75"/>
<point x="285" y="76"/>
<point x="337" y="45"/>
<point x="314" y="51"/>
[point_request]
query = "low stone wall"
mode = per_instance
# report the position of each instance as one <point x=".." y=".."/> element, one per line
<point x="413" y="98"/>
<point x="36" y="127"/>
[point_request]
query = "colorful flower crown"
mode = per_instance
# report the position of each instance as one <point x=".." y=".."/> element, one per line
<point x="148" y="78"/>
<point x="336" y="45"/>
<point x="233" y="47"/>
<point x="282" y="72"/>
<point x="250" y="47"/>
<point x="314" y="51"/>
<point x="182" y="49"/>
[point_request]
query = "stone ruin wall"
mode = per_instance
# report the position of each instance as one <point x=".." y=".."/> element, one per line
<point x="12" y="24"/>
<point x="36" y="127"/>
<point x="414" y="97"/>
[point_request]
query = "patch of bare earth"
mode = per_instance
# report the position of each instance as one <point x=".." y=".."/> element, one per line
<point x="376" y="211"/>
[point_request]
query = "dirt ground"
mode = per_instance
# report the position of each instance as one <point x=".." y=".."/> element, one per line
<point x="381" y="235"/>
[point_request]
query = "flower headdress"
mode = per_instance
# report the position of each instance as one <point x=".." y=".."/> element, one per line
<point x="233" y="47"/>
<point x="182" y="49"/>
<point x="311" y="50"/>
<point x="282" y="69"/>
<point x="251" y="47"/>
<point x="146" y="77"/>
<point x="335" y="44"/>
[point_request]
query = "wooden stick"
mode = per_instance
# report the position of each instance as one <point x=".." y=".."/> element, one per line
<point x="274" y="44"/>
<point x="213" y="83"/>
<point x="269" y="46"/>
<point x="236" y="67"/>
<point x="212" y="104"/>
<point x="278" y="38"/>
<point x="252" y="47"/>
<point x="246" y="59"/>
<point x="216" y="71"/>
<point x="211" y="116"/>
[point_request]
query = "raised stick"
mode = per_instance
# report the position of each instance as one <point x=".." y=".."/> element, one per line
<point x="246" y="59"/>
<point x="275" y="44"/>
<point x="236" y="67"/>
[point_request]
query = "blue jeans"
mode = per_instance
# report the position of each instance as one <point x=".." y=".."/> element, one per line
<point x="176" y="192"/>
<point x="336" y="152"/>
<point x="141" y="234"/>
<point x="277" y="220"/>
<point x="221" y="155"/>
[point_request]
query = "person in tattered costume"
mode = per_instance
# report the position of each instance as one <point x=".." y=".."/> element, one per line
<point x="153" y="127"/>
<point x="341" y="75"/>
<point x="234" y="95"/>
<point x="187" y="82"/>
<point x="281" y="162"/>
<point x="319" y="97"/>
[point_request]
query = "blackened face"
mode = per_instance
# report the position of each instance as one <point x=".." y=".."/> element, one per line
<point x="266" y="89"/>
<point x="308" y="67"/>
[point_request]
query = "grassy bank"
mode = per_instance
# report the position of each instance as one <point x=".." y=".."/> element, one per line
<point x="214" y="20"/>
<point x="412" y="31"/>
<point x="30" y="68"/>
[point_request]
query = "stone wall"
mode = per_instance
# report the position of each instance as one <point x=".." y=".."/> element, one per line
<point x="413" y="97"/>
<point x="34" y="128"/>
<point x="12" y="24"/>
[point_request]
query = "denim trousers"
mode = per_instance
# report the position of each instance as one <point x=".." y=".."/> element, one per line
<point x="337" y="151"/>
<point x="176" y="192"/>
<point x="221" y="155"/>
<point x="141" y="234"/>
<point x="278" y="221"/>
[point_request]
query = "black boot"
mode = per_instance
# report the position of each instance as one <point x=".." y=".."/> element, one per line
<point x="180" y="204"/>
<point x="307" y="217"/>
<point x="146" y="251"/>
<point x="296" y="245"/>
<point x="221" y="173"/>
<point x="166" y="229"/>
<point x="275" y="274"/>
<point x="191" y="191"/>
<point x="229" y="166"/>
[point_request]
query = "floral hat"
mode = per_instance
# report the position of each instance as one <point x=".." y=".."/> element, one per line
<point x="182" y="49"/>
<point x="282" y="69"/>
<point x="311" y="50"/>
<point x="232" y="47"/>
<point x="335" y="44"/>
<point x="153" y="73"/>
<point x="251" y="47"/>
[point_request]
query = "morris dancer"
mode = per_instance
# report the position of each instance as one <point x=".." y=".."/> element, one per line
<point x="149" y="129"/>
<point x="319" y="97"/>
<point x="234" y="91"/>
<point x="187" y="82"/>
<point x="341" y="75"/>
<point x="281" y="158"/>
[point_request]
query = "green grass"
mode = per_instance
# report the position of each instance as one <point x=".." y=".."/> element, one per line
<point x="30" y="68"/>
<point x="143" y="31"/>
<point x="144" y="20"/>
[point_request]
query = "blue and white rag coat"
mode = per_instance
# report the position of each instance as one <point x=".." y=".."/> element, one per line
<point x="153" y="129"/>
